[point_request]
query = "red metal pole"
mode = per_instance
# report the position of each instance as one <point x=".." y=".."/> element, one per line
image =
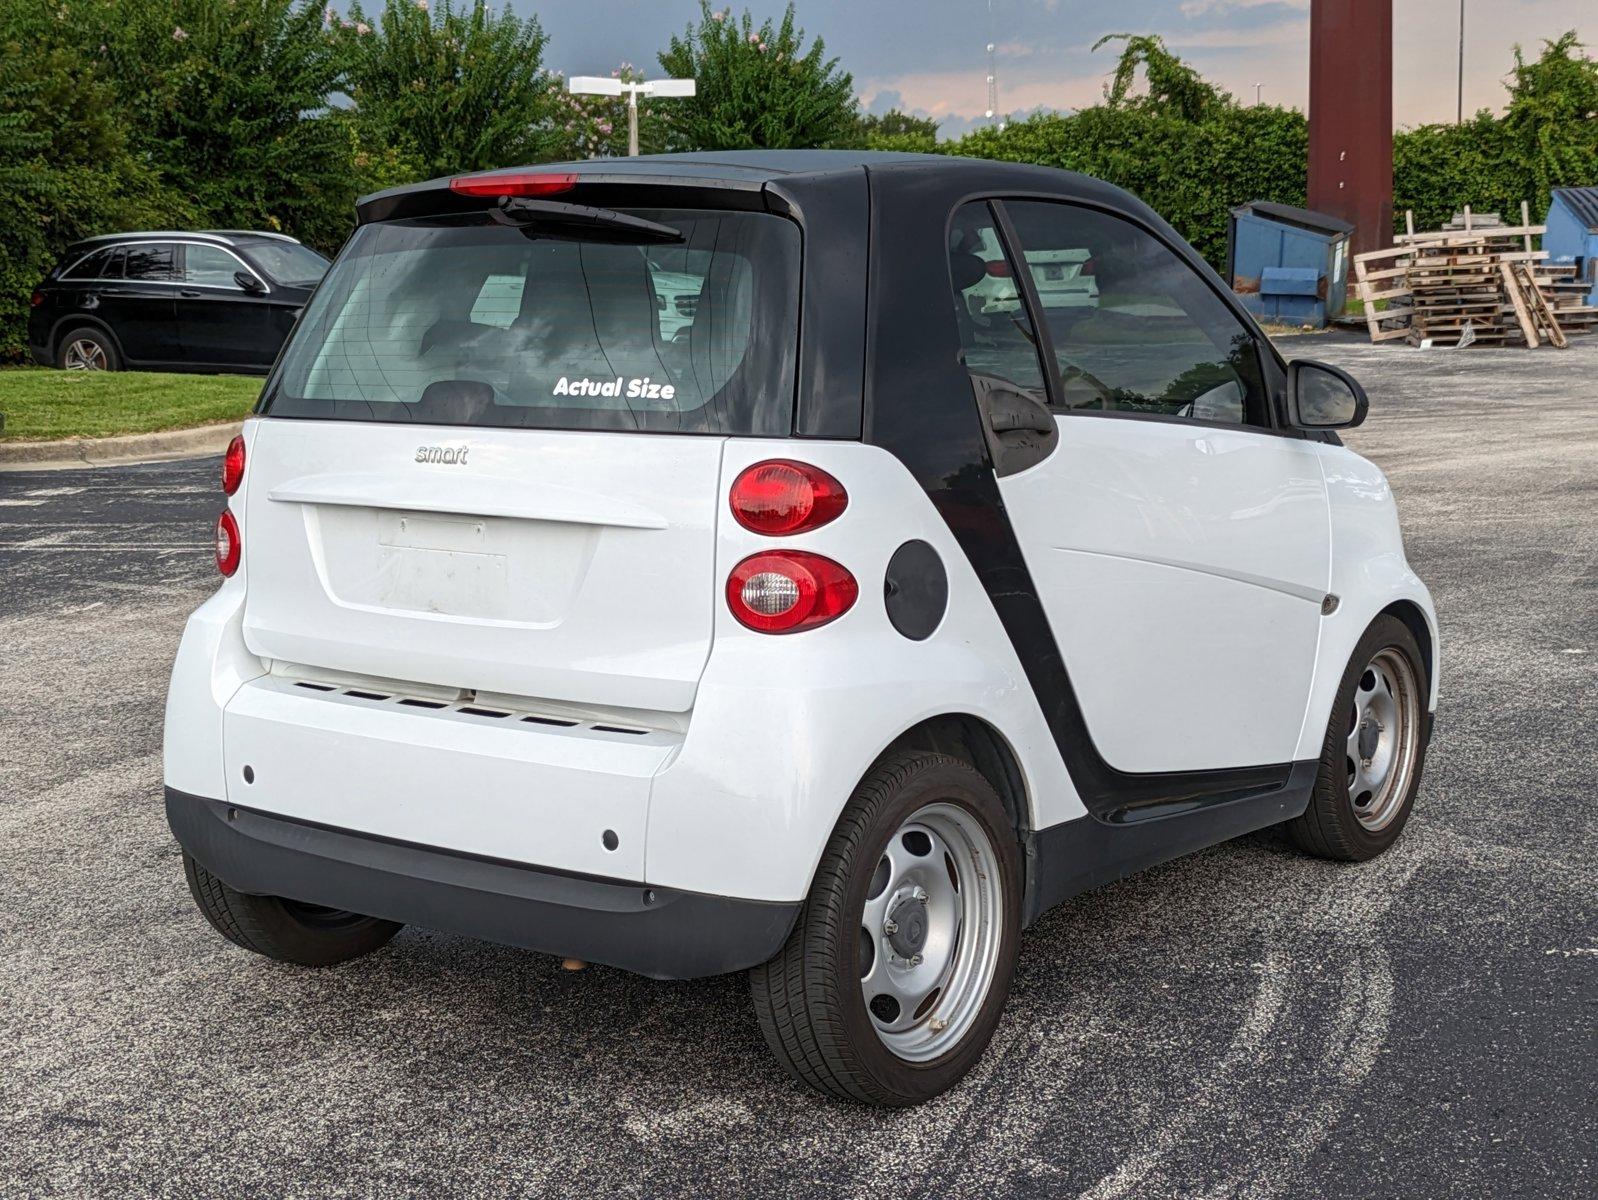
<point x="1351" y="116"/>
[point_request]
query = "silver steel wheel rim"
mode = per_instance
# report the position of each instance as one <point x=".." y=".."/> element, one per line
<point x="1383" y="734"/>
<point x="84" y="355"/>
<point x="930" y="932"/>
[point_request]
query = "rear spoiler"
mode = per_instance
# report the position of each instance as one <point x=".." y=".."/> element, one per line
<point x="599" y="188"/>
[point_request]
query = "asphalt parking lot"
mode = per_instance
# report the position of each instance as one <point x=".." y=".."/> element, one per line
<point x="1244" y="1022"/>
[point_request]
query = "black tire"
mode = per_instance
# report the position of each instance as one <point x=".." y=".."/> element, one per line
<point x="808" y="998"/>
<point x="1329" y="827"/>
<point x="89" y="334"/>
<point x="286" y="930"/>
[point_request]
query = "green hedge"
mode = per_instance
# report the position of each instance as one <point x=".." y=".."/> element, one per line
<point x="1190" y="173"/>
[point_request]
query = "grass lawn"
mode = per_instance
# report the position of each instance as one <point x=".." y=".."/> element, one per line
<point x="40" y="403"/>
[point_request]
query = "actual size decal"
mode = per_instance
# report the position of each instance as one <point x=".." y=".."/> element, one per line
<point x="633" y="389"/>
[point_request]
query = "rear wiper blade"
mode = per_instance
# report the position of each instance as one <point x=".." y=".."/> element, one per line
<point x="558" y="218"/>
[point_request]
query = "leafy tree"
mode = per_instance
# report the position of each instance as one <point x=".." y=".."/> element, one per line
<point x="897" y="130"/>
<point x="1552" y="120"/>
<point x="228" y="100"/>
<point x="1174" y="88"/>
<point x="66" y="169"/>
<point x="1548" y="137"/>
<point x="757" y="87"/>
<point x="445" y="89"/>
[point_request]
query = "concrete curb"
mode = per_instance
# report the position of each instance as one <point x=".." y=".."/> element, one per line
<point x="112" y="451"/>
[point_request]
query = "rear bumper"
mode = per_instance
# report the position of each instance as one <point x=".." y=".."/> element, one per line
<point x="660" y="932"/>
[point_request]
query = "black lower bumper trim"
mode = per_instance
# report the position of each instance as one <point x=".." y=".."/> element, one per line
<point x="654" y="931"/>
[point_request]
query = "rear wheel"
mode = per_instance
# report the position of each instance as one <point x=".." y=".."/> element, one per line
<point x="1374" y="750"/>
<point x="88" y="349"/>
<point x="892" y="982"/>
<point x="286" y="930"/>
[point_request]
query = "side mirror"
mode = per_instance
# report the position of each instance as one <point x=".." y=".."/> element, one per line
<point x="1321" y="396"/>
<point x="248" y="283"/>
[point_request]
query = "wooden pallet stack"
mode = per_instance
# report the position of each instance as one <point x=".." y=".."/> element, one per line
<point x="1476" y="281"/>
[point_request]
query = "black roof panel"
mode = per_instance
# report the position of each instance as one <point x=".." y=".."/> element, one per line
<point x="753" y="169"/>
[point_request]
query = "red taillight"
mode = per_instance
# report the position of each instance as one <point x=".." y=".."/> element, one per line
<point x="512" y="183"/>
<point x="784" y="591"/>
<point x="998" y="268"/>
<point x="780" y="497"/>
<point x="36" y="299"/>
<point x="233" y="466"/>
<point x="229" y="546"/>
<point x="1090" y="267"/>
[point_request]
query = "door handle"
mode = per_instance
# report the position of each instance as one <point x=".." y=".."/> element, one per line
<point x="1009" y="413"/>
<point x="193" y="293"/>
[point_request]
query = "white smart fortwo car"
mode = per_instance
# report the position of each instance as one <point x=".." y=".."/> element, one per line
<point x="831" y="624"/>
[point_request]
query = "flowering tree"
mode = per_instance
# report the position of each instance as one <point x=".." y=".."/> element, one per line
<point x="596" y="126"/>
<point x="757" y="86"/>
<point x="444" y="87"/>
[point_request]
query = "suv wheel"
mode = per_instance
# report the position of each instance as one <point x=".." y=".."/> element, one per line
<point x="1374" y="750"/>
<point x="893" y="979"/>
<point x="88" y="349"/>
<point x="287" y="930"/>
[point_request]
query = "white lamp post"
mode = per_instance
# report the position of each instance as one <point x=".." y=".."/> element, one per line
<point x="599" y="85"/>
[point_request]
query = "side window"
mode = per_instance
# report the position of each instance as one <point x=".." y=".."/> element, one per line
<point x="92" y="267"/>
<point x="150" y="263"/>
<point x="995" y="331"/>
<point x="1135" y="329"/>
<point x="210" y="266"/>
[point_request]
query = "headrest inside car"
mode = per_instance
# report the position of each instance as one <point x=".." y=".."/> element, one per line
<point x="966" y="268"/>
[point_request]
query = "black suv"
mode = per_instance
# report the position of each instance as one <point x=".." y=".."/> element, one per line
<point x="218" y="300"/>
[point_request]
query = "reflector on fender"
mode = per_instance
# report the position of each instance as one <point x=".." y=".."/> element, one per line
<point x="784" y="591"/>
<point x="513" y="183"/>
<point x="229" y="545"/>
<point x="233" y="465"/>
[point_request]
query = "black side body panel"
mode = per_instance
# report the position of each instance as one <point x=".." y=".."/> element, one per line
<point x="654" y="931"/>
<point x="1063" y="860"/>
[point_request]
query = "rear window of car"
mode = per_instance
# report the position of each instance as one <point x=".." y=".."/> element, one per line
<point x="94" y="266"/>
<point x="467" y="319"/>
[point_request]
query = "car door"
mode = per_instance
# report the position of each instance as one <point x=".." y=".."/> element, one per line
<point x="1178" y="543"/>
<point x="220" y="324"/>
<point x="138" y="301"/>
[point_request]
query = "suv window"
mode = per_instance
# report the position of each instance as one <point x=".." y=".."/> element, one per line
<point x="210" y="266"/>
<point x="92" y="267"/>
<point x="995" y="330"/>
<point x="1135" y="329"/>
<point x="464" y="320"/>
<point x="149" y="263"/>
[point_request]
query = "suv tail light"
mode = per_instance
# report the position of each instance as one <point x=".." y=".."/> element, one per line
<point x="779" y="497"/>
<point x="233" y="465"/>
<point x="784" y="591"/>
<point x="229" y="545"/>
<point x="36" y="299"/>
<point x="1089" y="267"/>
<point x="513" y="183"/>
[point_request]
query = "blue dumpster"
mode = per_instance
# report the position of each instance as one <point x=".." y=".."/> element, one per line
<point x="1288" y="264"/>
<point x="1572" y="236"/>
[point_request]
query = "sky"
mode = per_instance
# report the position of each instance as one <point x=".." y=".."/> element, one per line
<point x="928" y="56"/>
